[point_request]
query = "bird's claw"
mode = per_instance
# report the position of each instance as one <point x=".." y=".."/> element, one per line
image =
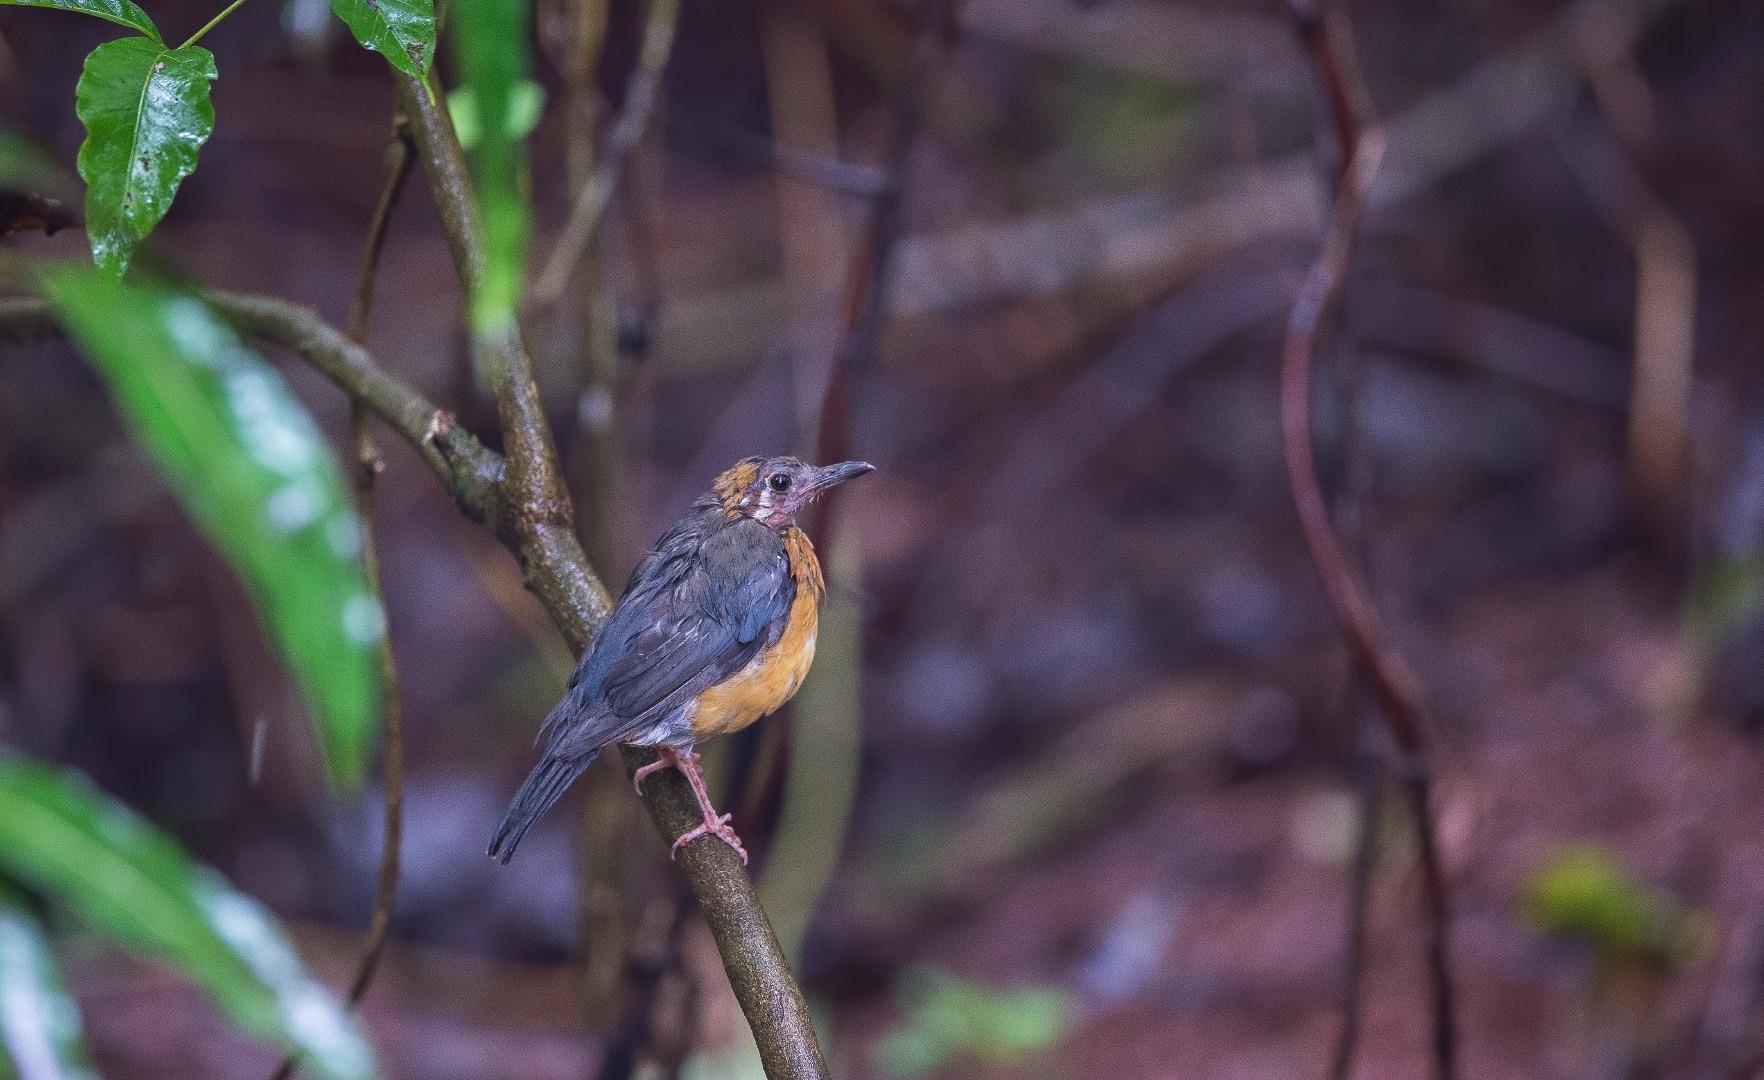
<point x="717" y="827"/>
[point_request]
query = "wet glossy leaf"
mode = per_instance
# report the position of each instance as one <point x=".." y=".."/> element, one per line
<point x="40" y="1032"/>
<point x="490" y="44"/>
<point x="121" y="12"/>
<point x="90" y="854"/>
<point x="403" y="30"/>
<point x="147" y="113"/>
<point x="253" y="470"/>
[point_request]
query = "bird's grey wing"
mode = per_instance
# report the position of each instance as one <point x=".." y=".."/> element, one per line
<point x="705" y="628"/>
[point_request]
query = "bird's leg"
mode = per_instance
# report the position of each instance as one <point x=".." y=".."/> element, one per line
<point x="715" y="824"/>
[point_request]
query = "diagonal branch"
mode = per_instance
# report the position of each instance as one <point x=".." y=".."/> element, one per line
<point x="536" y="526"/>
<point x="470" y="471"/>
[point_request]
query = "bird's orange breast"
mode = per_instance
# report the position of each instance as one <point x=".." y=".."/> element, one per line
<point x="771" y="678"/>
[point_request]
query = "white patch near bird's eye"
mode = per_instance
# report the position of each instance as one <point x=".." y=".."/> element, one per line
<point x="761" y="501"/>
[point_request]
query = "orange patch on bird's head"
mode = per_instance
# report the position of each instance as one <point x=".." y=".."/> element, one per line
<point x="772" y="490"/>
<point x="732" y="485"/>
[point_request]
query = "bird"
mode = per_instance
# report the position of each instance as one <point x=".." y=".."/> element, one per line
<point x="716" y="628"/>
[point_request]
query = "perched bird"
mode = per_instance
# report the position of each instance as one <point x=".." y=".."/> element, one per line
<point x="716" y="629"/>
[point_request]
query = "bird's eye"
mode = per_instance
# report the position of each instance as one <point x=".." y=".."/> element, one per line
<point x="780" y="481"/>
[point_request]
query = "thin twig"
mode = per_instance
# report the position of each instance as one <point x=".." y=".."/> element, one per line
<point x="1368" y="789"/>
<point x="653" y="958"/>
<point x="1404" y="708"/>
<point x="368" y="467"/>
<point x="641" y="92"/>
<point x="866" y="287"/>
<point x="1327" y="39"/>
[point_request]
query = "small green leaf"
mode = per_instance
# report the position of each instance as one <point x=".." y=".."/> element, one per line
<point x="402" y="30"/>
<point x="39" y="1022"/>
<point x="147" y="113"/>
<point x="490" y="42"/>
<point x="92" y="855"/>
<point x="121" y="12"/>
<point x="253" y="470"/>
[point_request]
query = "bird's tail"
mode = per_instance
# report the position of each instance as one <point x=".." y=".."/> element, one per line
<point x="538" y="791"/>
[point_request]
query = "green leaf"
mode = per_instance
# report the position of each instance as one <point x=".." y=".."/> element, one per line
<point x="121" y="12"/>
<point x="147" y="113"/>
<point x="39" y="1023"/>
<point x="402" y="30"/>
<point x="490" y="44"/>
<point x="92" y="855"/>
<point x="253" y="470"/>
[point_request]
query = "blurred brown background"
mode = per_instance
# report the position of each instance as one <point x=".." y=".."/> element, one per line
<point x="1104" y="810"/>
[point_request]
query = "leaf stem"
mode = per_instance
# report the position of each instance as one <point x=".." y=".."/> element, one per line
<point x="211" y="24"/>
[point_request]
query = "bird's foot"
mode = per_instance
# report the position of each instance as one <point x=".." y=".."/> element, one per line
<point x="717" y="827"/>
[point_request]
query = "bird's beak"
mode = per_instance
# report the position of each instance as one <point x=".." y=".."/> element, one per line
<point x="833" y="475"/>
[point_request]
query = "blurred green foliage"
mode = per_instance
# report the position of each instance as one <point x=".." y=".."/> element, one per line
<point x="1584" y="892"/>
<point x="525" y="103"/>
<point x="40" y="1032"/>
<point x="1726" y="595"/>
<point x="1128" y="126"/>
<point x="251" y="467"/>
<point x="24" y="166"/>
<point x="949" y="1019"/>
<point x="92" y="856"/>
<point x="490" y="50"/>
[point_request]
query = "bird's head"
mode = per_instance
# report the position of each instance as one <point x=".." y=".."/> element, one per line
<point x="772" y="490"/>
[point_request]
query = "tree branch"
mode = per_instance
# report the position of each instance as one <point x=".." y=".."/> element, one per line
<point x="536" y="527"/>
<point x="471" y="472"/>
